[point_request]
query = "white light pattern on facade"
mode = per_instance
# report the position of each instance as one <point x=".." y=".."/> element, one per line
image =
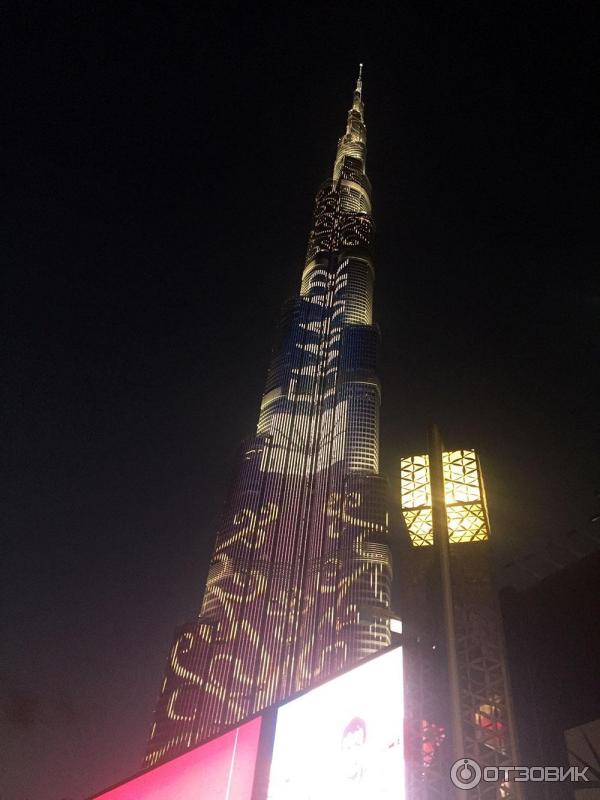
<point x="303" y="541"/>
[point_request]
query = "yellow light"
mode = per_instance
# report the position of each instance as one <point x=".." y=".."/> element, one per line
<point x="466" y="513"/>
<point x="416" y="499"/>
<point x="463" y="491"/>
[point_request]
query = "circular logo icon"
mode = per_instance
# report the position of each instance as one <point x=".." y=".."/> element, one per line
<point x="465" y="773"/>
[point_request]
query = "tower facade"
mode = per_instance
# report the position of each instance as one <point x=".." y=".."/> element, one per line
<point x="457" y="694"/>
<point x="299" y="583"/>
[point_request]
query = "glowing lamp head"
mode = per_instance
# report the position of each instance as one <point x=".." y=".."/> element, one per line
<point x="464" y="498"/>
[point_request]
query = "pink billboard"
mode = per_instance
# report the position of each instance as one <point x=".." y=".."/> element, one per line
<point x="222" y="769"/>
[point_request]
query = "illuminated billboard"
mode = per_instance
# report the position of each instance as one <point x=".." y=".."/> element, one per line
<point x="343" y="739"/>
<point x="222" y="769"/>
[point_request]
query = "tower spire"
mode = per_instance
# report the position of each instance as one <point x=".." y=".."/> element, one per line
<point x="353" y="142"/>
<point x="357" y="103"/>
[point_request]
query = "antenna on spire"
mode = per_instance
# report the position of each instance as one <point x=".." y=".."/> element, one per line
<point x="359" y="79"/>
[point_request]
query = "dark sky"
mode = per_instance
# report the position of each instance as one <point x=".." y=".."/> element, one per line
<point x="161" y="164"/>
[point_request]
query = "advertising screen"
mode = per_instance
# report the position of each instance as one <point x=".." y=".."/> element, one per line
<point x="344" y="739"/>
<point x="222" y="769"/>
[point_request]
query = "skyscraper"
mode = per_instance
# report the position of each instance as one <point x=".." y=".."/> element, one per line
<point x="299" y="583"/>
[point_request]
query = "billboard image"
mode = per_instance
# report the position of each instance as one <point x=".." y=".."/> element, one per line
<point x="343" y="739"/>
<point x="222" y="769"/>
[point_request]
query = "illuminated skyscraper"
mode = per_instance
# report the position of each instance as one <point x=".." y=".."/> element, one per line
<point x="299" y="583"/>
<point x="458" y="702"/>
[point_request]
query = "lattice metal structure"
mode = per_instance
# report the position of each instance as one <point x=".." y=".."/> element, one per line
<point x="299" y="584"/>
<point x="457" y="691"/>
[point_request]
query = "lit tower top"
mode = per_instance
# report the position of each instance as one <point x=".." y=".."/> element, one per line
<point x="354" y="141"/>
<point x="342" y="215"/>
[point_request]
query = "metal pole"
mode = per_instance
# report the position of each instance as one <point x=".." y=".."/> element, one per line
<point x="441" y="541"/>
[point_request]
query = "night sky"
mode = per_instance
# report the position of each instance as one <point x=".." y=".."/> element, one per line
<point x="161" y="164"/>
